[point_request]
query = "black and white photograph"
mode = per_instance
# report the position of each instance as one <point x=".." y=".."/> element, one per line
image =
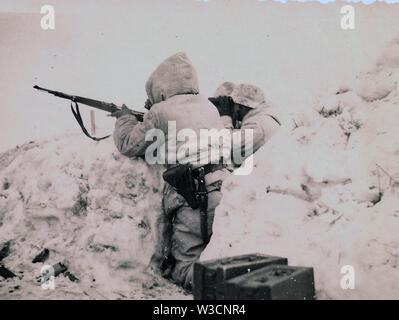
<point x="212" y="150"/>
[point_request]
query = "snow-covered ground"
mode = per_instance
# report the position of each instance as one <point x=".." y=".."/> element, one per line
<point x="325" y="190"/>
<point x="92" y="208"/>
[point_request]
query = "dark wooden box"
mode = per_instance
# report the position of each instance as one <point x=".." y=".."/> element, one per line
<point x="207" y="274"/>
<point x="270" y="283"/>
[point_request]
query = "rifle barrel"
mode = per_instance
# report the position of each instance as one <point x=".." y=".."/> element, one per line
<point x="105" y="106"/>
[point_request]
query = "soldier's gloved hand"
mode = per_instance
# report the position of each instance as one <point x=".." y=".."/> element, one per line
<point x="224" y="104"/>
<point x="148" y="104"/>
<point x="124" y="110"/>
<point x="240" y="112"/>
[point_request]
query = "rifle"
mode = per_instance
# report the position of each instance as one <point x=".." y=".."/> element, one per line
<point x="105" y="106"/>
<point x="111" y="107"/>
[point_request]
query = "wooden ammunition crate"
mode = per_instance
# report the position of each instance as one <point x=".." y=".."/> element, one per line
<point x="207" y="274"/>
<point x="270" y="283"/>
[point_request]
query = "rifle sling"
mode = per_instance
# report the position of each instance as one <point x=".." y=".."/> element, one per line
<point x="78" y="117"/>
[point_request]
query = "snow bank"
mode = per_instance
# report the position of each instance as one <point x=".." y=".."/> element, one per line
<point x="325" y="190"/>
<point x="92" y="208"/>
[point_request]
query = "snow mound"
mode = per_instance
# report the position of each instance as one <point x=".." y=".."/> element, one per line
<point x="325" y="190"/>
<point x="94" y="210"/>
